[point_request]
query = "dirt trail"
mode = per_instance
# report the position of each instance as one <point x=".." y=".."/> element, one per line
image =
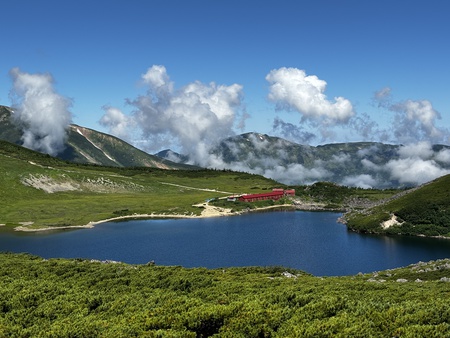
<point x="200" y="189"/>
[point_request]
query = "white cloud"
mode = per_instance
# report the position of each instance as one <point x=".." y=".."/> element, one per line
<point x="363" y="126"/>
<point x="295" y="173"/>
<point x="292" y="89"/>
<point x="414" y="171"/>
<point x="383" y="93"/>
<point x="420" y="150"/>
<point x="157" y="78"/>
<point x="416" y="120"/>
<point x="369" y="165"/>
<point x="41" y="113"/>
<point x="364" y="181"/>
<point x="443" y="156"/>
<point x="192" y="118"/>
<point x="340" y="158"/>
<point x="413" y="120"/>
<point x="414" y="164"/>
<point x="410" y="121"/>
<point x="174" y="157"/>
<point x="117" y="122"/>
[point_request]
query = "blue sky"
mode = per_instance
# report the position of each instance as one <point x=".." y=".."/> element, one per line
<point x="98" y="52"/>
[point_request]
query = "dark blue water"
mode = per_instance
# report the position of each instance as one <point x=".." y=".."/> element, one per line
<point x="310" y="241"/>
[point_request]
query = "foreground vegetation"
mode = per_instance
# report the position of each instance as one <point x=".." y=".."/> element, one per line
<point x="79" y="298"/>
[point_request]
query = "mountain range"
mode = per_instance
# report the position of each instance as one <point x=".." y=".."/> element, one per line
<point x="84" y="145"/>
<point x="360" y="164"/>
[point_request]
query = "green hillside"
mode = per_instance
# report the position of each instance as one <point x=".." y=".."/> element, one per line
<point x="44" y="191"/>
<point x="80" y="298"/>
<point x="421" y="211"/>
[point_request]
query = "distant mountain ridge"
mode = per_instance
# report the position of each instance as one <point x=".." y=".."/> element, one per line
<point x="362" y="164"/>
<point x="173" y="156"/>
<point x="86" y="145"/>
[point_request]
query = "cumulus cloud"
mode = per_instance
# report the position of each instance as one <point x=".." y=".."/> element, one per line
<point x="42" y="114"/>
<point x="117" y="122"/>
<point x="368" y="129"/>
<point x="414" y="120"/>
<point x="369" y="165"/>
<point x="296" y="173"/>
<point x="291" y="89"/>
<point x="364" y="181"/>
<point x="414" y="171"/>
<point x="157" y="78"/>
<point x="382" y="96"/>
<point x="192" y="118"/>
<point x="340" y="158"/>
<point x="443" y="156"/>
<point x="422" y="150"/>
<point x="414" y="164"/>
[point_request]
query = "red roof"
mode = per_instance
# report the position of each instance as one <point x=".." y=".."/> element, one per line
<point x="266" y="194"/>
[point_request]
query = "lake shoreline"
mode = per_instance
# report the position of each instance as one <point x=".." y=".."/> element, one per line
<point x="209" y="211"/>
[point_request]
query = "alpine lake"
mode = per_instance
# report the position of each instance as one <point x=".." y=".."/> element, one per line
<point x="311" y="241"/>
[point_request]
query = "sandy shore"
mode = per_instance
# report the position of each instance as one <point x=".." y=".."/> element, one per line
<point x="208" y="211"/>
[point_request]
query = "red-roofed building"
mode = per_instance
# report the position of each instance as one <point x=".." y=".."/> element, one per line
<point x="274" y="195"/>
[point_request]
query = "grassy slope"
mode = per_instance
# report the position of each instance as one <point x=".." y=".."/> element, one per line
<point x="423" y="211"/>
<point x="103" y="192"/>
<point x="76" y="298"/>
<point x="120" y="153"/>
